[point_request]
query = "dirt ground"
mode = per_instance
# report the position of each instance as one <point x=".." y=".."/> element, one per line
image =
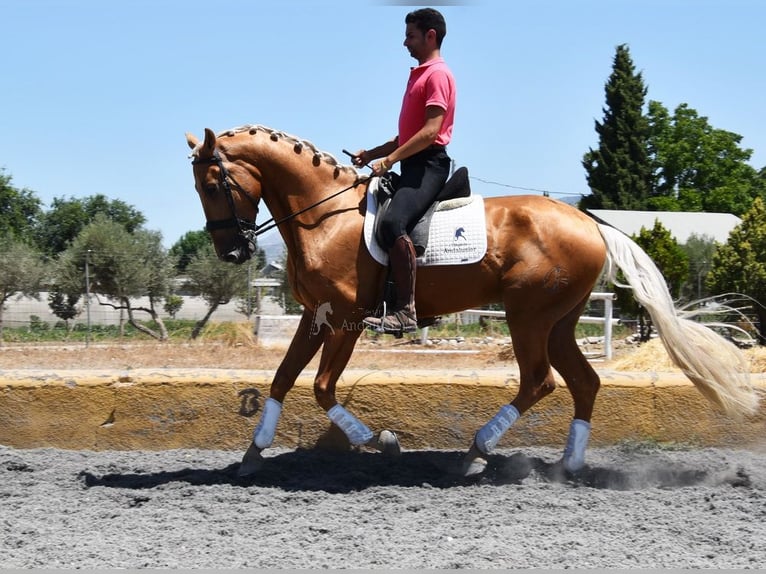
<point x="232" y="356"/>
<point x="384" y="353"/>
<point x="633" y="506"/>
<point x="370" y="353"/>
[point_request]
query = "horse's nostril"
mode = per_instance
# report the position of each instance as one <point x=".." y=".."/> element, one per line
<point x="232" y="256"/>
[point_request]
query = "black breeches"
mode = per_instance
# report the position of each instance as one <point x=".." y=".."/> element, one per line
<point x="423" y="176"/>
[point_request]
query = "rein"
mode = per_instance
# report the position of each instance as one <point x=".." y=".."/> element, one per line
<point x="248" y="228"/>
<point x="272" y="223"/>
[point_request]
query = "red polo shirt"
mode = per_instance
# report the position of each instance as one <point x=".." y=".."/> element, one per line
<point x="430" y="84"/>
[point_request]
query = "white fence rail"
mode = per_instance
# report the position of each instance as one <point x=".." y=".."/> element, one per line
<point x="18" y="312"/>
<point x="608" y="321"/>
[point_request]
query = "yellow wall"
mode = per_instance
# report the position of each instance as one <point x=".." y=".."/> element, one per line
<point x="218" y="409"/>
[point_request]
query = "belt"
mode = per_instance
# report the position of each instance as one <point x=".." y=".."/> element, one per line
<point x="426" y="153"/>
<point x="431" y="149"/>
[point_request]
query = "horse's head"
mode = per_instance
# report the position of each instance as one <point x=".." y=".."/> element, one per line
<point x="229" y="191"/>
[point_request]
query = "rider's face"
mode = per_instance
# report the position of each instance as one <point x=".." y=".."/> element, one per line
<point x="415" y="42"/>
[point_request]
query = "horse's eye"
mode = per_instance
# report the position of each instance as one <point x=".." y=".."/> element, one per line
<point x="211" y="189"/>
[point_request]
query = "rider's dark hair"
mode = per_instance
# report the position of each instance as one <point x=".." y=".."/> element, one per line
<point x="427" y="19"/>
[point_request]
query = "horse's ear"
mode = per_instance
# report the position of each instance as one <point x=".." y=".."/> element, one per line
<point x="192" y="140"/>
<point x="208" y="147"/>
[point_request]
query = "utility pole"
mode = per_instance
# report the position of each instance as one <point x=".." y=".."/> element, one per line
<point x="87" y="295"/>
<point x="249" y="288"/>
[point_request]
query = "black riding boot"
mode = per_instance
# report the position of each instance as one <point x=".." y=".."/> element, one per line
<point x="403" y="263"/>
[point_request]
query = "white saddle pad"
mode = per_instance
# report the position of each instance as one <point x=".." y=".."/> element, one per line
<point x="458" y="232"/>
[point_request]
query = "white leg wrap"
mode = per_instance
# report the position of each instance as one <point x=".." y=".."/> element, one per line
<point x="356" y="431"/>
<point x="574" y="453"/>
<point x="489" y="435"/>
<point x="264" y="433"/>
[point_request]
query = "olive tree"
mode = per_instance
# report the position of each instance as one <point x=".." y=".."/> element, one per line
<point x="216" y="281"/>
<point x="122" y="267"/>
<point x="21" y="272"/>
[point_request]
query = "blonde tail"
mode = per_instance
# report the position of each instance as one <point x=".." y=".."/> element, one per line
<point x="716" y="367"/>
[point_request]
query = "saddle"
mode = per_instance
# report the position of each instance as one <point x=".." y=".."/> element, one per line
<point x="451" y="232"/>
<point x="457" y="187"/>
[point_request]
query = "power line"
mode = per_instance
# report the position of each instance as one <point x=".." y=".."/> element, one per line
<point x="545" y="192"/>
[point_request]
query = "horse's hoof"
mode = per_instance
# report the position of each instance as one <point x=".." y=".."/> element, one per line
<point x="473" y="467"/>
<point x="387" y="443"/>
<point x="251" y="463"/>
<point x="474" y="462"/>
<point x="572" y="465"/>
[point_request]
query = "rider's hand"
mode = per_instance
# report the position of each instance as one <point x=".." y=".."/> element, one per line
<point x="380" y="167"/>
<point x="360" y="158"/>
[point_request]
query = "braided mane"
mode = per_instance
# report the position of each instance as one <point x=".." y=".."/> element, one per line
<point x="297" y="143"/>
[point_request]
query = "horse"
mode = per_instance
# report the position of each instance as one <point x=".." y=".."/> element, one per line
<point x="543" y="259"/>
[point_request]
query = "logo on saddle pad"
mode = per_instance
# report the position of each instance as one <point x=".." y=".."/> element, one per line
<point x="461" y="245"/>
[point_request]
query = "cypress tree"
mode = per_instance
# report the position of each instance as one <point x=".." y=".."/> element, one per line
<point x="619" y="171"/>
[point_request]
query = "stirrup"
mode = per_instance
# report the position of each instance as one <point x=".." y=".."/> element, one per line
<point x="402" y="326"/>
<point x="375" y="323"/>
<point x="378" y="324"/>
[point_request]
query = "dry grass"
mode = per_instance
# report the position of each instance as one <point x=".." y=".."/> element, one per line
<point x="652" y="356"/>
<point x="231" y="334"/>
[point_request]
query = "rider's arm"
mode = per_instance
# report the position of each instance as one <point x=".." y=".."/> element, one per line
<point x="364" y="156"/>
<point x="425" y="137"/>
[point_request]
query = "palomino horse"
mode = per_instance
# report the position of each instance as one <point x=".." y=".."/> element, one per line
<point x="543" y="258"/>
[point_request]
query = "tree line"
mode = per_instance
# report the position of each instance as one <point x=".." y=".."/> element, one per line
<point x="651" y="159"/>
<point x="100" y="246"/>
<point x="647" y="159"/>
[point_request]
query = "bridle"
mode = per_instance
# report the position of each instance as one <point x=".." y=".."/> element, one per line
<point x="247" y="229"/>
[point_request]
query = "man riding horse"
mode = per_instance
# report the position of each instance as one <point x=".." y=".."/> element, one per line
<point x="425" y="129"/>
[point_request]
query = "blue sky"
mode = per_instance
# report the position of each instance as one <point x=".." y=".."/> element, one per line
<point x="97" y="95"/>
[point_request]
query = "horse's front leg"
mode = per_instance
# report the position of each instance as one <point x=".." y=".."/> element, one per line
<point x="335" y="356"/>
<point x="303" y="347"/>
<point x="536" y="382"/>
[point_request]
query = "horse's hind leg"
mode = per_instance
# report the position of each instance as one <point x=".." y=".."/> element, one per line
<point x="581" y="379"/>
